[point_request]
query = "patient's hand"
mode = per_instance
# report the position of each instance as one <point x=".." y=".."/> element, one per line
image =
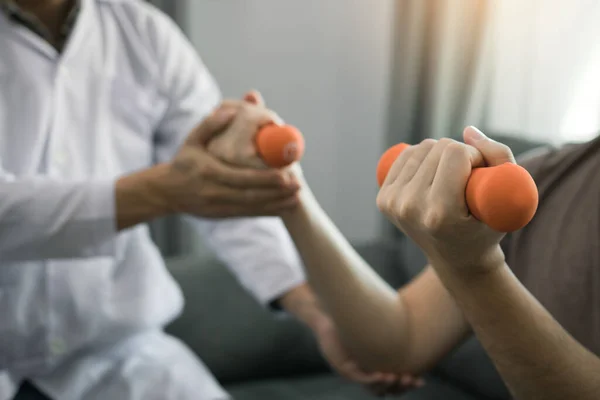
<point x="236" y="144"/>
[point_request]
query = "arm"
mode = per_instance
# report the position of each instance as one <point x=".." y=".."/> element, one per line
<point x="44" y="218"/>
<point x="534" y="354"/>
<point x="386" y="332"/>
<point x="536" y="357"/>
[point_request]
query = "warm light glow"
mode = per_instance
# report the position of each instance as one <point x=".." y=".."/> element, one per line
<point x="546" y="78"/>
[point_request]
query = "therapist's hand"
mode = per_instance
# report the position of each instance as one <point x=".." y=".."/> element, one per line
<point x="198" y="183"/>
<point x="203" y="185"/>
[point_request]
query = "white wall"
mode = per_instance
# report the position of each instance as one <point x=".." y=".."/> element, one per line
<point x="324" y="66"/>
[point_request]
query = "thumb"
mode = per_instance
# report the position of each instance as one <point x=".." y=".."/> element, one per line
<point x="494" y="153"/>
<point x="255" y="98"/>
<point x="211" y="126"/>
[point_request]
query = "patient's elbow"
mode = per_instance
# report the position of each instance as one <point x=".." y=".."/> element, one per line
<point x="378" y="355"/>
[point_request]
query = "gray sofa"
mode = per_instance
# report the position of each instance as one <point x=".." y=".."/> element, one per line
<point x="260" y="355"/>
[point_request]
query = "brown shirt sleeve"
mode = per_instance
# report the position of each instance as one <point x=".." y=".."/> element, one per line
<point x="547" y="166"/>
<point x="533" y="162"/>
<point x="556" y="256"/>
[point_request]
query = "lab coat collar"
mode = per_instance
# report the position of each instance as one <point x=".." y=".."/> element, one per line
<point x="82" y="30"/>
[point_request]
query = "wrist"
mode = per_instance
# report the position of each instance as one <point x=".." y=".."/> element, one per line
<point x="307" y="206"/>
<point x="143" y="196"/>
<point x="471" y="268"/>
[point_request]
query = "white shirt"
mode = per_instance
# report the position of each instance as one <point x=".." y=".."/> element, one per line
<point x="123" y="94"/>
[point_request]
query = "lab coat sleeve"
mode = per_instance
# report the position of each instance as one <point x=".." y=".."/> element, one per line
<point x="44" y="218"/>
<point x="259" y="251"/>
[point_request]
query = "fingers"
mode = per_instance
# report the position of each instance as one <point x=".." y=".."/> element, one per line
<point x="397" y="166"/>
<point x="455" y="165"/>
<point x="251" y="116"/>
<point x="414" y="161"/>
<point x="255" y="116"/>
<point x="493" y="153"/>
<point x="431" y="166"/>
<point x="434" y="184"/>
<point x="425" y="175"/>
<point x="254" y="97"/>
<point x="214" y="169"/>
<point x="385" y="385"/>
<point x="355" y="374"/>
<point x="251" y="197"/>
<point x="419" y="165"/>
<point x="395" y="385"/>
<point x="380" y="383"/>
<point x="411" y="381"/>
<point x="246" y="178"/>
<point x="212" y="125"/>
<point x="254" y="105"/>
<point x="253" y="109"/>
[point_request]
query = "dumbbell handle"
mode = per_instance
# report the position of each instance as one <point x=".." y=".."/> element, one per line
<point x="504" y="197"/>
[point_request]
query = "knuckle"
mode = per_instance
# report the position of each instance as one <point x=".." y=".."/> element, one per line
<point x="412" y="164"/>
<point x="505" y="149"/>
<point x="456" y="149"/>
<point x="382" y="202"/>
<point x="406" y="209"/>
<point x="433" y="220"/>
<point x="408" y="152"/>
<point x="206" y="170"/>
<point x="447" y="141"/>
<point x="387" y="203"/>
<point x="210" y="195"/>
<point x="429" y="142"/>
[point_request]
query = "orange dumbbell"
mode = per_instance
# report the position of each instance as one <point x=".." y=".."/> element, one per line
<point x="279" y="145"/>
<point x="504" y="197"/>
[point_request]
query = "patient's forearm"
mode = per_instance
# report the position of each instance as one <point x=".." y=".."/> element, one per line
<point x="536" y="357"/>
<point x="365" y="308"/>
<point x="302" y="303"/>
